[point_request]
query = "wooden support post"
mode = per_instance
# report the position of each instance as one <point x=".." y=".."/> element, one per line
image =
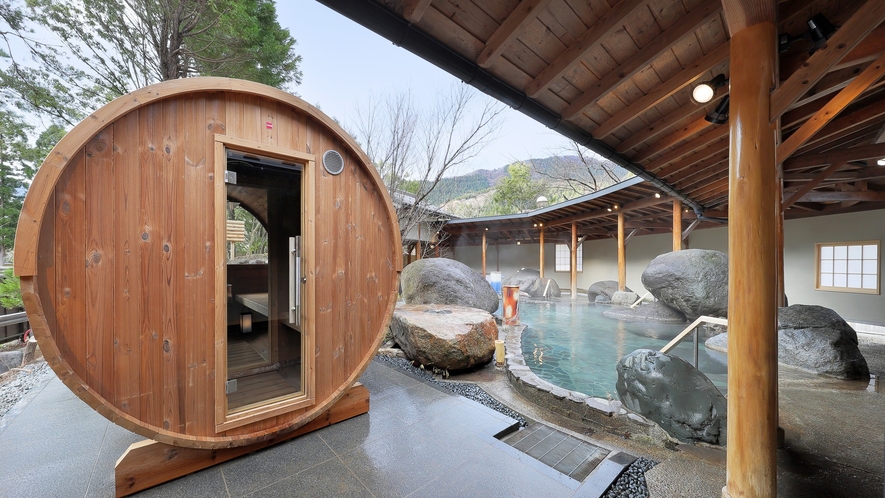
<point x="622" y="255"/>
<point x="541" y="252"/>
<point x="148" y="463"/>
<point x="484" y="245"/>
<point x="573" y="276"/>
<point x="677" y="225"/>
<point x="752" y="247"/>
<point x="418" y="244"/>
<point x="779" y="219"/>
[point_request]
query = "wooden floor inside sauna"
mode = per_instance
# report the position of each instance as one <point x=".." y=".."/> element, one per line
<point x="247" y="361"/>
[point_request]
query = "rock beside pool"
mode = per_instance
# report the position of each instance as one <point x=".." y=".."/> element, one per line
<point x="693" y="281"/>
<point x="530" y="282"/>
<point x="10" y="360"/>
<point x="817" y="339"/>
<point x="814" y="339"/>
<point x="718" y="342"/>
<point x="446" y="337"/>
<point x="646" y="312"/>
<point x="624" y="298"/>
<point x="601" y="292"/>
<point x="674" y="394"/>
<point x="446" y="281"/>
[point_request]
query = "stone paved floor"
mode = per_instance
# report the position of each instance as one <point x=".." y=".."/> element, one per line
<point x="415" y="441"/>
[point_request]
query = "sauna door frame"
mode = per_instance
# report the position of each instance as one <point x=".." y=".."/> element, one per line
<point x="223" y="420"/>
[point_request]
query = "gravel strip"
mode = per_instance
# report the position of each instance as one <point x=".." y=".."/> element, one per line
<point x="468" y="390"/>
<point x="16" y="383"/>
<point x="631" y="484"/>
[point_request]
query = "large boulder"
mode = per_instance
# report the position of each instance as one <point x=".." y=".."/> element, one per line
<point x="446" y="281"/>
<point x="10" y="359"/>
<point x="601" y="292"/>
<point x="674" y="394"/>
<point x="445" y="337"/>
<point x="530" y="282"/>
<point x="694" y="281"/>
<point x="646" y="312"/>
<point x="818" y="340"/>
<point x="624" y="298"/>
<point x="814" y="339"/>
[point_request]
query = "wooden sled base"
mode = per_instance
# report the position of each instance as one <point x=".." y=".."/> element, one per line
<point x="148" y="463"/>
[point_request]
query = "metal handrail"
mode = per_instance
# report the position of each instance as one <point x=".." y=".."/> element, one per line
<point x="693" y="328"/>
<point x="13" y="319"/>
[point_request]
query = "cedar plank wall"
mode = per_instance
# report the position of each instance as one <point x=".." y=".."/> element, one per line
<point x="126" y="258"/>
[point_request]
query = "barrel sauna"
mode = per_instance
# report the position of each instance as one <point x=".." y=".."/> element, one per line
<point x="123" y="252"/>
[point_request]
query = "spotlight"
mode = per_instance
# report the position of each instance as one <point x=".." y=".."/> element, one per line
<point x="540" y="224"/>
<point x="519" y="243"/>
<point x="657" y="195"/>
<point x="720" y="114"/>
<point x="705" y="91"/>
<point x="609" y="210"/>
<point x="820" y="30"/>
<point x="487" y="229"/>
<point x="881" y="162"/>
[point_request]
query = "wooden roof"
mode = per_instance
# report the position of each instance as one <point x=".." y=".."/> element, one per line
<point x="621" y="74"/>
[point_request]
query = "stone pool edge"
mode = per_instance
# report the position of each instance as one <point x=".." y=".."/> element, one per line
<point x="609" y="415"/>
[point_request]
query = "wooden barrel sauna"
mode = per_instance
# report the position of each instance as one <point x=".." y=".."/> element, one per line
<point x="123" y="252"/>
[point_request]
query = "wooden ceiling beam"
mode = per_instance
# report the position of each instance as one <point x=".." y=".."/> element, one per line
<point x="696" y="146"/>
<point x="808" y="187"/>
<point x="697" y="167"/>
<point x="688" y="24"/>
<point x="867" y="50"/>
<point x="866" y="196"/>
<point x="413" y="10"/>
<point x="830" y="84"/>
<point x="869" y="76"/>
<point x="660" y="92"/>
<point x="668" y="141"/>
<point x="642" y="203"/>
<point x="602" y="29"/>
<point x="863" y="153"/>
<point x="512" y="27"/>
<point x="666" y="122"/>
<point x="843" y="41"/>
<point x="867" y="173"/>
<point x="844" y="135"/>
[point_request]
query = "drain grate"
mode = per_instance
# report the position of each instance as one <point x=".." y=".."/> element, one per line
<point x="567" y="454"/>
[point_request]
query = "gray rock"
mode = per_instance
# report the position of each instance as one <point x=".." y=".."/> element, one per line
<point x="818" y="340"/>
<point x="601" y="292"/>
<point x="694" y="281"/>
<point x="446" y="337"/>
<point x="674" y="394"/>
<point x="530" y="282"/>
<point x="446" y="281"/>
<point x="624" y="298"/>
<point x="647" y="312"/>
<point x="10" y="360"/>
<point x="814" y="339"/>
<point x="718" y="343"/>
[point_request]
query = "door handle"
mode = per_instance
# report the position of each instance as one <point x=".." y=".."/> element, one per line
<point x="295" y="280"/>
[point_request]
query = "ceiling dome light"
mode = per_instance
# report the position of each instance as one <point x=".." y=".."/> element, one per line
<point x="705" y="91"/>
<point x="881" y="162"/>
<point x="657" y="195"/>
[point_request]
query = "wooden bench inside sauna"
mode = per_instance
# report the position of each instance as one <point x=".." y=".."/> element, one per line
<point x="123" y="252"/>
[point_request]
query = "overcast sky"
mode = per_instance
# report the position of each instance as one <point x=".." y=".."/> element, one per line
<point x="344" y="64"/>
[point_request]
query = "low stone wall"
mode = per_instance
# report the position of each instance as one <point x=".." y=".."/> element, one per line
<point x="608" y="415"/>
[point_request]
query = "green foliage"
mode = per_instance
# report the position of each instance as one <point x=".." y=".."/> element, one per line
<point x="18" y="160"/>
<point x="10" y="290"/>
<point x="106" y="48"/>
<point x="256" y="235"/>
<point x="517" y="192"/>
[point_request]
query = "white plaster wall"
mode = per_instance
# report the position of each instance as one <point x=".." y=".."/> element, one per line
<point x="800" y="236"/>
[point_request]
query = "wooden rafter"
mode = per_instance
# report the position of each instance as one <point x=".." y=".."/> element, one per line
<point x="698" y="167"/>
<point x="830" y="84"/>
<point x="870" y="75"/>
<point x="696" y="146"/>
<point x="687" y="231"/>
<point x="818" y="196"/>
<point x="413" y="10"/>
<point x="512" y="27"/>
<point x="868" y="173"/>
<point x="643" y="203"/>
<point x="866" y="51"/>
<point x="696" y="17"/>
<point x="867" y="17"/>
<point x="681" y="80"/>
<point x="857" y="128"/>
<point x="864" y="153"/>
<point x="695" y="127"/>
<point x="602" y="29"/>
<point x="808" y="187"/>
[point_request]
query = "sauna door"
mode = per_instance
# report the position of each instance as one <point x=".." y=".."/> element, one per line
<point x="264" y="339"/>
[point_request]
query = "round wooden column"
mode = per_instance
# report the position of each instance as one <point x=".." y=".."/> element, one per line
<point x="677" y="225"/>
<point x="574" y="261"/>
<point x="541" y="252"/>
<point x="752" y="245"/>
<point x="484" y="244"/>
<point x="622" y="255"/>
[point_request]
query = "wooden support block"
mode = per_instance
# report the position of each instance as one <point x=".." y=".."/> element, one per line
<point x="149" y="463"/>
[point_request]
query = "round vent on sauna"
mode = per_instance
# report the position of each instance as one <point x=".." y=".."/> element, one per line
<point x="333" y="162"/>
